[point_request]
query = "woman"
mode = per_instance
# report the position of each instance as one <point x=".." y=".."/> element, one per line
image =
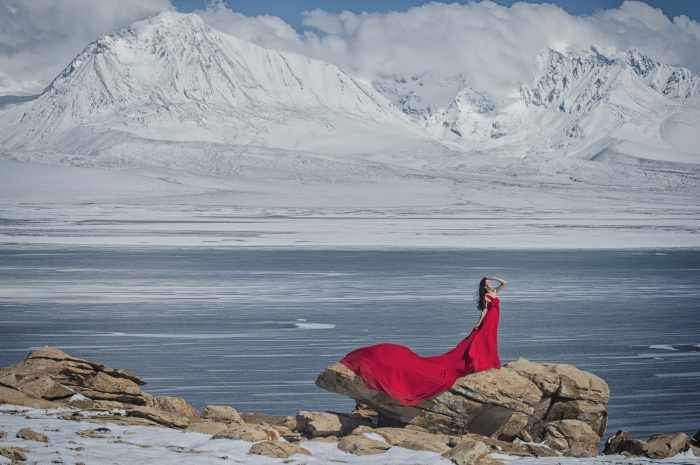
<point x="410" y="378"/>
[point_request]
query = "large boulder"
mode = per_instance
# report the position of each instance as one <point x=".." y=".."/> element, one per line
<point x="520" y="400"/>
<point x="56" y="376"/>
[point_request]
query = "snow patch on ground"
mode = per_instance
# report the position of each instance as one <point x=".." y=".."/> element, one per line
<point x="140" y="444"/>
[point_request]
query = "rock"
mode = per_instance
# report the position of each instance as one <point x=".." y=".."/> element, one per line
<point x="426" y="446"/>
<point x="360" y="445"/>
<point x="319" y="423"/>
<point x="250" y="433"/>
<point x="661" y="446"/>
<point x="207" y="427"/>
<point x="573" y="438"/>
<point x="3" y="434"/>
<point x="578" y="384"/>
<point x="54" y="375"/>
<point x="323" y="439"/>
<point x="91" y="433"/>
<point x="170" y="419"/>
<point x="470" y="452"/>
<point x="633" y="447"/>
<point x="260" y="418"/>
<point x="364" y="412"/>
<point x="520" y="400"/>
<point x="540" y="450"/>
<point x="393" y="436"/>
<point x="696" y="438"/>
<point x="612" y="445"/>
<point x="14" y="397"/>
<point x="13" y="453"/>
<point x="593" y="413"/>
<point x="504" y="447"/>
<point x="277" y="449"/>
<point x="175" y="405"/>
<point x="544" y="378"/>
<point x="29" y="435"/>
<point x="221" y="414"/>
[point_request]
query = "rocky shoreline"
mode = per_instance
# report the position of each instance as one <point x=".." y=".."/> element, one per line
<point x="525" y="409"/>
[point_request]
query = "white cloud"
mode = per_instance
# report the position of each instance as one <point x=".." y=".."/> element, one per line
<point x="38" y="38"/>
<point x="494" y="47"/>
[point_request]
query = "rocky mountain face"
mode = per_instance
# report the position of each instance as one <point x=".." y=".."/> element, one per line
<point x="576" y="101"/>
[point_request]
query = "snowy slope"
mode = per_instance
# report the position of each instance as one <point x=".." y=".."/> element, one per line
<point x="581" y="102"/>
<point x="174" y="78"/>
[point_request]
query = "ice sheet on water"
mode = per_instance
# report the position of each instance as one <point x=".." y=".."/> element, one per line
<point x="314" y="325"/>
<point x="662" y="347"/>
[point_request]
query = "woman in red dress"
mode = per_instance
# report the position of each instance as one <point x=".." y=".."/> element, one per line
<point x="401" y="373"/>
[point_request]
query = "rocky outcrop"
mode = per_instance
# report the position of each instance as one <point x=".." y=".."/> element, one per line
<point x="659" y="446"/>
<point x="532" y="401"/>
<point x="50" y="377"/>
<point x="54" y="375"/>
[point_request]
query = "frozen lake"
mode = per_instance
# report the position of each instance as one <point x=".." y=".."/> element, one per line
<point x="252" y="328"/>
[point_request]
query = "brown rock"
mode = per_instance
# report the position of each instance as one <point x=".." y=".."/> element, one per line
<point x="13" y="453"/>
<point x="364" y="412"/>
<point x="578" y="384"/>
<point x="573" y="438"/>
<point x="496" y="403"/>
<point x="612" y="445"/>
<point x="323" y="439"/>
<point x="52" y="374"/>
<point x="14" y="397"/>
<point x="319" y="423"/>
<point x="176" y="405"/>
<point x="593" y="413"/>
<point x="221" y="414"/>
<point x="395" y="436"/>
<point x="277" y="449"/>
<point x="539" y="450"/>
<point x="543" y="377"/>
<point x="250" y="433"/>
<point x="633" y="447"/>
<point x="505" y="447"/>
<point x="29" y="435"/>
<point x="206" y="427"/>
<point x="91" y="433"/>
<point x="426" y="446"/>
<point x="470" y="452"/>
<point x="661" y="446"/>
<point x="360" y="445"/>
<point x="260" y="419"/>
<point x="162" y="417"/>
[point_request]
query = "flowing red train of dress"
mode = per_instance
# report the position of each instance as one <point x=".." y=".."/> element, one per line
<point x="411" y="379"/>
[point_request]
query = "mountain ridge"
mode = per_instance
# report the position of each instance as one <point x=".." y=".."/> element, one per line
<point x="174" y="79"/>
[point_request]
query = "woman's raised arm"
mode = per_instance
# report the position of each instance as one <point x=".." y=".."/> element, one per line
<point x="499" y="288"/>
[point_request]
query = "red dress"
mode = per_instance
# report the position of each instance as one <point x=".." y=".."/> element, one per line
<point x="411" y="379"/>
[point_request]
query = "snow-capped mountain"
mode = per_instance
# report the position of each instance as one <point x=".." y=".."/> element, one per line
<point x="174" y="78"/>
<point x="172" y="84"/>
<point x="581" y="102"/>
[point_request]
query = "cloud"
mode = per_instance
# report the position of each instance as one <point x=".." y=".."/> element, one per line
<point x="38" y="38"/>
<point x="494" y="47"/>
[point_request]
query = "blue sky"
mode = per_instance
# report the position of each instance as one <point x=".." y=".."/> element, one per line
<point x="291" y="10"/>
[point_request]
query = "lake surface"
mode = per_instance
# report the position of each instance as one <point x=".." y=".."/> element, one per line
<point x="252" y="328"/>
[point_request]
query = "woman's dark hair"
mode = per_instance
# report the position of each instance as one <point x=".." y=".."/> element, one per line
<point x="481" y="299"/>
